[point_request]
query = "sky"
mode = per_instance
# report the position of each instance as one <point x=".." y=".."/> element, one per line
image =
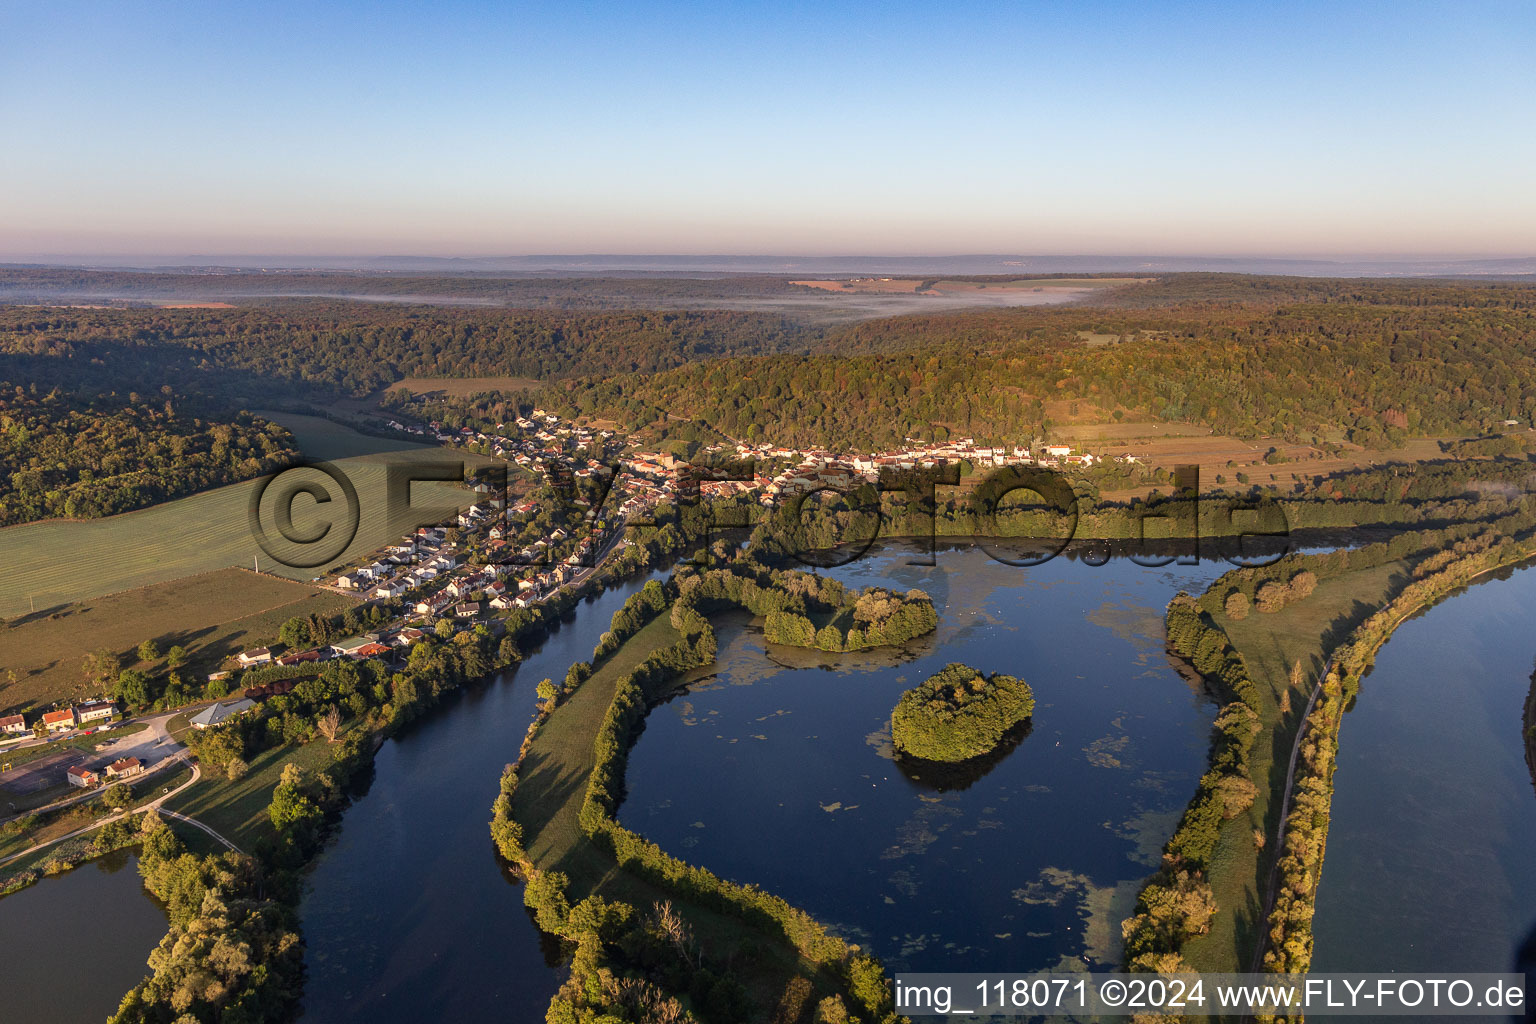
<point x="1295" y="129"/>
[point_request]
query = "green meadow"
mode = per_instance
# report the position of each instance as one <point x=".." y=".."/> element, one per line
<point x="54" y="563"/>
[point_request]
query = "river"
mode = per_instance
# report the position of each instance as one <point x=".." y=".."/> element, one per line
<point x="1029" y="862"/>
<point x="408" y="915"/>
<point x="1431" y="862"/>
<point x="72" y="945"/>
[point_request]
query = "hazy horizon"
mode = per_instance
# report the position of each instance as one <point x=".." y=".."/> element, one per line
<point x="1307" y="128"/>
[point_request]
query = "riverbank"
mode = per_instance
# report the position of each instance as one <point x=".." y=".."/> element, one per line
<point x="1529" y="725"/>
<point x="1289" y="933"/>
<point x="1232" y="846"/>
<point x="555" y="821"/>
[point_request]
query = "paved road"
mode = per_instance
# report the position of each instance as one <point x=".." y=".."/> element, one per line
<point x="155" y="804"/>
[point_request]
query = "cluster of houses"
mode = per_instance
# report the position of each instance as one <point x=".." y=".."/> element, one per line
<point x="814" y="469"/>
<point x="62" y="720"/>
<point x="426" y="563"/>
<point x="122" y="768"/>
<point x="367" y="645"/>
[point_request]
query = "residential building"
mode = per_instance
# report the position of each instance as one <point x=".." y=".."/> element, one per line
<point x="59" y="721"/>
<point x="125" y="768"/>
<point x="254" y="656"/>
<point x="95" y="711"/>
<point x="217" y="713"/>
<point x="83" y="777"/>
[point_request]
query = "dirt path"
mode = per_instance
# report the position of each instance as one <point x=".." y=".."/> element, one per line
<point x="1285" y="812"/>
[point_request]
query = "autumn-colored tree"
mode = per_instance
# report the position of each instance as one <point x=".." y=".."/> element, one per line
<point x="329" y="723"/>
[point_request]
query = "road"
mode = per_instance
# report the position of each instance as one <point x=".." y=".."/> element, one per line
<point x="154" y="804"/>
<point x="152" y="745"/>
<point x="1285" y="812"/>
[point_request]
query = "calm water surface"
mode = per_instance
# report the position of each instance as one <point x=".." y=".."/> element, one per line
<point x="71" y="945"/>
<point x="408" y="915"/>
<point x="774" y="770"/>
<point x="1431" y="862"/>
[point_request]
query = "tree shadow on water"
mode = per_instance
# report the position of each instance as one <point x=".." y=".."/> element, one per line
<point x="952" y="776"/>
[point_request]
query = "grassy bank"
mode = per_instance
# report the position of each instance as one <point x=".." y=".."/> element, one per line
<point x="1271" y="645"/>
<point x="556" y="766"/>
<point x="238" y="809"/>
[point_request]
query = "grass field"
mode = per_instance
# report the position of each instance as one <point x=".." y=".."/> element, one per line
<point x="213" y="615"/>
<point x="1270" y="644"/>
<point x="238" y="810"/>
<point x="554" y="775"/>
<point x="54" y="563"/>
<point x="323" y="439"/>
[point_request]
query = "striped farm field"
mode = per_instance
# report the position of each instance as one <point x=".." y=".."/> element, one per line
<point x="54" y="563"/>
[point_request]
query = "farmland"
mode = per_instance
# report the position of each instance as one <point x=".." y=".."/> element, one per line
<point x="55" y="563"/>
<point x="212" y="615"/>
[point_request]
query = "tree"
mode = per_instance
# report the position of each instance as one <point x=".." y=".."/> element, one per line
<point x="1271" y="597"/>
<point x="444" y="629"/>
<point x="102" y="665"/>
<point x="292" y="810"/>
<point x="132" y="688"/>
<point x="176" y="657"/>
<point x="117" y="797"/>
<point x="236" y="769"/>
<point x="149" y="650"/>
<point x="1237" y="606"/>
<point x="329" y="723"/>
<point x="295" y="632"/>
<point x="1302" y="584"/>
<point x="546" y="690"/>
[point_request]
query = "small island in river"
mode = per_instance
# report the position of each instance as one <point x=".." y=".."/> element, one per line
<point x="958" y="713"/>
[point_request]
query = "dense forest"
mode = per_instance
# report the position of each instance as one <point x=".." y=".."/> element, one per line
<point x="1371" y="374"/>
<point x="330" y="348"/>
<point x="1368" y="361"/>
<point x="60" y="456"/>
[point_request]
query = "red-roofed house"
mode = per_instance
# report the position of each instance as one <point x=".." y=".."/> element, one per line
<point x="14" y="725"/>
<point x="82" y="776"/>
<point x="124" y="768"/>
<point x="59" y="721"/>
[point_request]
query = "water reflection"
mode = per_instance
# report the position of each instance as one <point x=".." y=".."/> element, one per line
<point x="73" y="944"/>
<point x="947" y="776"/>
<point x="775" y="766"/>
<point x="1429" y="864"/>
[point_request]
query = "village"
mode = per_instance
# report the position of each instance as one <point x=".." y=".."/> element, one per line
<point x="508" y="552"/>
